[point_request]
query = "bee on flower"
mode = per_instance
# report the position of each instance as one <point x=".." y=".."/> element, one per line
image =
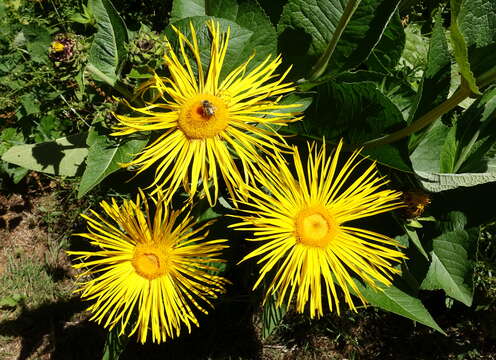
<point x="205" y="122"/>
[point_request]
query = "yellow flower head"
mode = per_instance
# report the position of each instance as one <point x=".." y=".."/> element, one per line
<point x="306" y="247"/>
<point x="149" y="272"/>
<point x="205" y="122"/>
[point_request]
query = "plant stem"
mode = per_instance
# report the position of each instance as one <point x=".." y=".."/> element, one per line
<point x="321" y="64"/>
<point x="458" y="96"/>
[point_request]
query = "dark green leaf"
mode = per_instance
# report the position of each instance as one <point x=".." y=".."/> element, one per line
<point x="464" y="147"/>
<point x="38" y="41"/>
<point x="473" y="35"/>
<point x="306" y="27"/>
<point x="475" y="134"/>
<point x="114" y="345"/>
<point x="399" y="302"/>
<point x="108" y="49"/>
<point x="272" y="316"/>
<point x="356" y="112"/>
<point x="247" y="14"/>
<point x="387" y="53"/>
<point x="104" y="156"/>
<point x="435" y="83"/>
<point x="451" y="268"/>
<point x="63" y="156"/>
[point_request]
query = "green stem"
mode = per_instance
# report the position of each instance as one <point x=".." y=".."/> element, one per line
<point x="458" y="96"/>
<point x="321" y="64"/>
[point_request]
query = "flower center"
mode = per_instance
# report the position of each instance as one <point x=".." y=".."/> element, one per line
<point x="203" y="116"/>
<point x="315" y="227"/>
<point x="149" y="261"/>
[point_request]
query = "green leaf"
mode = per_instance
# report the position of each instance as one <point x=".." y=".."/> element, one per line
<point x="451" y="267"/>
<point x="399" y="302"/>
<point x="187" y="8"/>
<point x="104" y="156"/>
<point x="475" y="135"/>
<point x="272" y="316"/>
<point x="306" y="28"/>
<point x="473" y="36"/>
<point x="464" y="147"/>
<point x="460" y="47"/>
<point x="387" y="53"/>
<point x="38" y="41"/>
<point x="108" y="49"/>
<point x="114" y="345"/>
<point x="434" y="88"/>
<point x="247" y="14"/>
<point x="356" y="112"/>
<point x="434" y="182"/>
<point x="426" y="156"/>
<point x="414" y="238"/>
<point x="63" y="156"/>
<point x="395" y="89"/>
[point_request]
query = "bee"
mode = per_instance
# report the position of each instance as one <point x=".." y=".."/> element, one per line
<point x="208" y="108"/>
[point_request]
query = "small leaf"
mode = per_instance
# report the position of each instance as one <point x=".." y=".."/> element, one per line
<point x="435" y="83"/>
<point x="114" y="345"/>
<point x="108" y="49"/>
<point x="460" y="47"/>
<point x="64" y="156"/>
<point x="451" y="268"/>
<point x="399" y="302"/>
<point x="272" y="316"/>
<point x="104" y="156"/>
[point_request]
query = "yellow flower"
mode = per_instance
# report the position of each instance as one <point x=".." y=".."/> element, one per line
<point x="57" y="46"/>
<point x="206" y="122"/>
<point x="153" y="270"/>
<point x="307" y="246"/>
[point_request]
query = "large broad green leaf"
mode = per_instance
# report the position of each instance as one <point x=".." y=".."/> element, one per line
<point x="451" y="267"/>
<point x="108" y="49"/>
<point x="473" y="35"/>
<point x="306" y="28"/>
<point x="104" y="156"/>
<point x="435" y="83"/>
<point x="247" y="14"/>
<point x="399" y="302"/>
<point x="356" y="112"/>
<point x="63" y="156"/>
<point x="395" y="89"/>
